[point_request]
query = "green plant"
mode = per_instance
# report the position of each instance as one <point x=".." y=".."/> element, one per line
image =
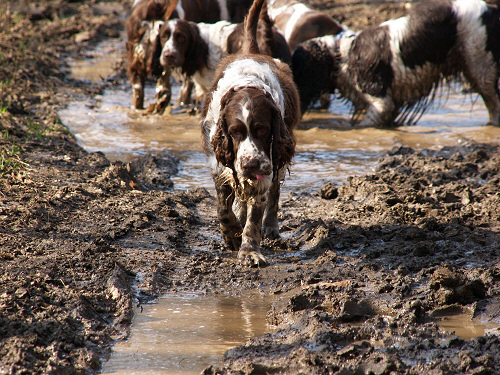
<point x="9" y="160"/>
<point x="4" y="106"/>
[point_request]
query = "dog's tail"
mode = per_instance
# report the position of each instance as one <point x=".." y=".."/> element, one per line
<point x="169" y="8"/>
<point x="266" y="25"/>
<point x="251" y="23"/>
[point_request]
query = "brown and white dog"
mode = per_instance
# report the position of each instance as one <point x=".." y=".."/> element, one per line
<point x="197" y="48"/>
<point x="143" y="26"/>
<point x="212" y="10"/>
<point x="392" y="71"/>
<point x="299" y="23"/>
<point x="247" y="125"/>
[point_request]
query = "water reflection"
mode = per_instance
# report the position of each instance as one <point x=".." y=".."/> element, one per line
<point x="184" y="334"/>
<point x="463" y="326"/>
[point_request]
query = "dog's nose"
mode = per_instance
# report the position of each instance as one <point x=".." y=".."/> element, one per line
<point x="250" y="165"/>
<point x="167" y="58"/>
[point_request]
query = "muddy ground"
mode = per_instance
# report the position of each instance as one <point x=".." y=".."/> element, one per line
<point x="362" y="274"/>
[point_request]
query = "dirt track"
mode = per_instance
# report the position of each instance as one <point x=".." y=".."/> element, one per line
<point x="367" y="267"/>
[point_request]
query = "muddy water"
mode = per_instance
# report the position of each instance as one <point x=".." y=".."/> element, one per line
<point x="182" y="334"/>
<point x="328" y="148"/>
<point x="466" y="328"/>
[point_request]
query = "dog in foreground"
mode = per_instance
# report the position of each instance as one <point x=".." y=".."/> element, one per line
<point x="247" y="126"/>
<point x="392" y="70"/>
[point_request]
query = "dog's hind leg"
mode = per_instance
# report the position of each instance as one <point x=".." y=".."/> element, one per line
<point x="491" y="97"/>
<point x="483" y="74"/>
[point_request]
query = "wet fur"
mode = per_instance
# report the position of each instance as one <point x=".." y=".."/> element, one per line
<point x="298" y="22"/>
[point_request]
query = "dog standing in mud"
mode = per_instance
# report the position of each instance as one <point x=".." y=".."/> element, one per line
<point x="143" y="26"/>
<point x="247" y="125"/>
<point x="393" y="70"/>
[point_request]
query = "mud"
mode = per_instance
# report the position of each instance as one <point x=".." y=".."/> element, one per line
<point x="362" y="276"/>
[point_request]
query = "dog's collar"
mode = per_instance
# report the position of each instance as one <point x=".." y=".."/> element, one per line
<point x="345" y="34"/>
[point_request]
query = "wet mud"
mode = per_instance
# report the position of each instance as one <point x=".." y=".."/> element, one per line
<point x="362" y="278"/>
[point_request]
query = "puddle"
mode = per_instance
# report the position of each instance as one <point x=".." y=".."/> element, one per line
<point x="459" y="321"/>
<point x="98" y="64"/>
<point x="327" y="148"/>
<point x="466" y="328"/>
<point x="326" y="151"/>
<point x="184" y="334"/>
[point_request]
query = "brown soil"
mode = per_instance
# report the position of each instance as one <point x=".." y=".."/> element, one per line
<point x="364" y="271"/>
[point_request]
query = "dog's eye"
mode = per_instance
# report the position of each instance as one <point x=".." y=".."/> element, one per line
<point x="262" y="131"/>
<point x="180" y="38"/>
<point x="236" y="134"/>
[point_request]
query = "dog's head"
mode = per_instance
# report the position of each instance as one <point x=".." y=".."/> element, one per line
<point x="181" y="45"/>
<point x="251" y="137"/>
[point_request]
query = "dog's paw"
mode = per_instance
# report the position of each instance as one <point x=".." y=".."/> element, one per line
<point x="251" y="258"/>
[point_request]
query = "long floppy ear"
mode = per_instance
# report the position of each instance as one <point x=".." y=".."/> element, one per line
<point x="196" y="52"/>
<point x="283" y="146"/>
<point x="221" y="142"/>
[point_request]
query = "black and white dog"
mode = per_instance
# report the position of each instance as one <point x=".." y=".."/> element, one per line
<point x="392" y="70"/>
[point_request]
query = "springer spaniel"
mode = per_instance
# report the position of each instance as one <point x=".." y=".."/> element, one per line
<point x="247" y="125"/>
<point x="197" y="48"/>
<point x="392" y="71"/>
<point x="143" y="27"/>
<point x="142" y="30"/>
<point x="299" y="23"/>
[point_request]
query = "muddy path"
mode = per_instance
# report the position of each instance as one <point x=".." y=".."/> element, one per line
<point x="364" y="276"/>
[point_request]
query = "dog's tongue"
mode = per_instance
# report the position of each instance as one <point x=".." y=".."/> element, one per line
<point x="259" y="177"/>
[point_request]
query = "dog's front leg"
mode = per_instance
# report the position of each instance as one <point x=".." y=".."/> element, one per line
<point x="185" y="91"/>
<point x="229" y="224"/>
<point x="163" y="92"/>
<point x="137" y="80"/>
<point x="249" y="254"/>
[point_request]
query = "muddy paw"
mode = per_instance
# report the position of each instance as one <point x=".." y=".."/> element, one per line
<point x="251" y="258"/>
